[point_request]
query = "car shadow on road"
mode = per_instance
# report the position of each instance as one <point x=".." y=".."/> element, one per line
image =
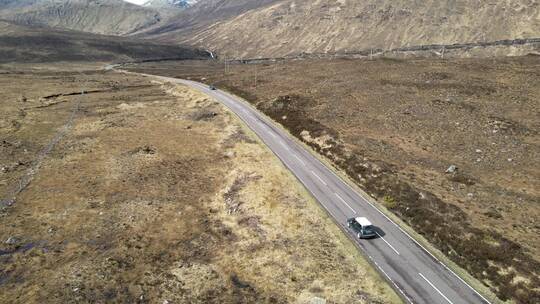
<point x="379" y="232"/>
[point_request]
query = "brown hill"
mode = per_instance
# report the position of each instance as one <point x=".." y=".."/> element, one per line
<point x="285" y="27"/>
<point x="262" y="28"/>
<point x="5" y="4"/>
<point x="111" y="17"/>
<point x="204" y="14"/>
<point x="33" y="44"/>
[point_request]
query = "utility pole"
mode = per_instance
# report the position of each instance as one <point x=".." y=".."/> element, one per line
<point x="256" y="75"/>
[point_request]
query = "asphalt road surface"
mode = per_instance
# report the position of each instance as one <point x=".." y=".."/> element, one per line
<point x="414" y="273"/>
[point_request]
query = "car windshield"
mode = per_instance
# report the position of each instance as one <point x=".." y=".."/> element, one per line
<point x="368" y="229"/>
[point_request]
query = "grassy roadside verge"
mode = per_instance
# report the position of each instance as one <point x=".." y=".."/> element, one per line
<point x="393" y="127"/>
<point x="422" y="241"/>
<point x="376" y="280"/>
<point x="337" y="231"/>
<point x="159" y="195"/>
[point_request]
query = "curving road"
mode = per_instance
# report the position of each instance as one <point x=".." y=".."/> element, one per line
<point x="417" y="275"/>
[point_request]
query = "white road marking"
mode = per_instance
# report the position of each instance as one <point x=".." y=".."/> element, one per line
<point x="322" y="181"/>
<point x="272" y="134"/>
<point x="284" y="145"/>
<point x="431" y="284"/>
<point x="192" y="83"/>
<point x="390" y="279"/>
<point x="266" y="129"/>
<point x="340" y="198"/>
<point x="384" y="272"/>
<point x="387" y="243"/>
<point x="300" y="160"/>
<point x="407" y="234"/>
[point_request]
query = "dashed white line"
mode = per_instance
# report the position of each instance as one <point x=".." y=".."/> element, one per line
<point x="397" y="252"/>
<point x="341" y="199"/>
<point x="300" y="160"/>
<point x="377" y="209"/>
<point x="408" y="235"/>
<point x="284" y="145"/>
<point x="392" y="281"/>
<point x="431" y="284"/>
<point x="315" y="174"/>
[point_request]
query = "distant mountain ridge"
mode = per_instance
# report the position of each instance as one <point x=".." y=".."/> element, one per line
<point x="275" y="28"/>
<point x="6" y="4"/>
<point x="272" y="28"/>
<point x="170" y="3"/>
<point x="111" y="17"/>
<point x="20" y="43"/>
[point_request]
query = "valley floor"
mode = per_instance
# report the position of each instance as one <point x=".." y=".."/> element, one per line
<point x="449" y="146"/>
<point x="154" y="193"/>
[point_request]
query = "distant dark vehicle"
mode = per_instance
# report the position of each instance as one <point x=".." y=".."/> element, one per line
<point x="212" y="87"/>
<point x="362" y="227"/>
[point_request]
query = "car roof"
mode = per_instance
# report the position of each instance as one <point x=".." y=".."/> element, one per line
<point x="363" y="221"/>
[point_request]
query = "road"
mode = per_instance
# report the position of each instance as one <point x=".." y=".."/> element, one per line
<point x="415" y="274"/>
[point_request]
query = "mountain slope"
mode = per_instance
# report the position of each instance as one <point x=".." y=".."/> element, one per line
<point x="33" y="44"/>
<point x="5" y="4"/>
<point x="170" y="3"/>
<point x="284" y="27"/>
<point x="112" y="17"/>
<point x="205" y="13"/>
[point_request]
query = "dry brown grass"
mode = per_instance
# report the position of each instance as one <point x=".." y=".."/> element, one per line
<point x="130" y="205"/>
<point x="395" y="126"/>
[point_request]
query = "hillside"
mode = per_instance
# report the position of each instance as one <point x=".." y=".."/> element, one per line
<point x="111" y="17"/>
<point x="5" y="4"/>
<point x="284" y="27"/>
<point x="271" y="28"/>
<point x="33" y="44"/>
<point x="204" y="14"/>
<point x="170" y="3"/>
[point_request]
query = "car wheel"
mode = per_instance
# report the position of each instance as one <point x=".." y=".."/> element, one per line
<point x="349" y="224"/>
<point x="359" y="235"/>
